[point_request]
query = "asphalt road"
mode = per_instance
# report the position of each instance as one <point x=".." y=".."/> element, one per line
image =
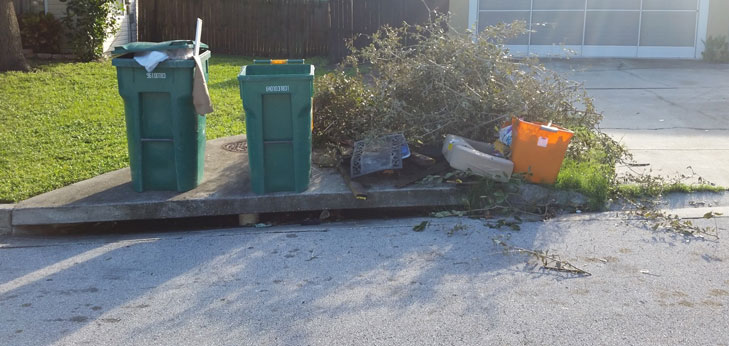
<point x="369" y="283"/>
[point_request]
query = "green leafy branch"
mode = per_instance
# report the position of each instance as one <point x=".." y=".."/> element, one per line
<point x="548" y="261"/>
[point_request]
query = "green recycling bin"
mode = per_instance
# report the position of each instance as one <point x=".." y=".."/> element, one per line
<point x="277" y="99"/>
<point x="165" y="136"/>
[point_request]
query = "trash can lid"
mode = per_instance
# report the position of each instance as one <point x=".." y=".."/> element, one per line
<point x="134" y="47"/>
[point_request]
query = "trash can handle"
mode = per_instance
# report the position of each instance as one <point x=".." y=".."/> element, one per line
<point x="549" y="128"/>
<point x="278" y="61"/>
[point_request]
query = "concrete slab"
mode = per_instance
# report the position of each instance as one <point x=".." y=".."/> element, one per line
<point x="6" y="225"/>
<point x="224" y="191"/>
<point x="671" y="164"/>
<point x="661" y="109"/>
<point x="677" y="139"/>
<point x="671" y="114"/>
<point x="614" y="63"/>
<point x="706" y="76"/>
<point x="683" y="72"/>
<point x="609" y="79"/>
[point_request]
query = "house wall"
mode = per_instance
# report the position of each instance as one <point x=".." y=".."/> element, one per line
<point x="27" y="6"/>
<point x="57" y="8"/>
<point x="125" y="34"/>
<point x="133" y="33"/>
<point x="459" y="14"/>
<point x="718" y="18"/>
<point x="713" y="22"/>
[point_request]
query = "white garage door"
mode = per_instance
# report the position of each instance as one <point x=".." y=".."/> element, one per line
<point x="602" y="28"/>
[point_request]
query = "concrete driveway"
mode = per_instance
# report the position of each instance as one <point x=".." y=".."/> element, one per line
<point x="670" y="114"/>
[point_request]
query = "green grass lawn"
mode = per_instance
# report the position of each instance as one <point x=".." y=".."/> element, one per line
<point x="64" y="122"/>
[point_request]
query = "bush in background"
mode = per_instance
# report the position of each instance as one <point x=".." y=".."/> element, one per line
<point x="716" y="49"/>
<point x="89" y="23"/>
<point x="41" y="32"/>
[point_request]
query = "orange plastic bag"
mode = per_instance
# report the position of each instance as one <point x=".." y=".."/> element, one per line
<point x="538" y="149"/>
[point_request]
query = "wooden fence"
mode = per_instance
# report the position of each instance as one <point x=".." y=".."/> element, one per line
<point x="277" y="28"/>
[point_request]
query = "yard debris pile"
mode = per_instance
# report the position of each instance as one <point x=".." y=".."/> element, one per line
<point x="459" y="93"/>
<point x="427" y="82"/>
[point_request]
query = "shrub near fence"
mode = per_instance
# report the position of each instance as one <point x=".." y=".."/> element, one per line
<point x="277" y="28"/>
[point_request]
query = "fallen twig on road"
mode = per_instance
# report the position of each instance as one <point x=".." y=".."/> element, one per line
<point x="547" y="260"/>
<point x="662" y="220"/>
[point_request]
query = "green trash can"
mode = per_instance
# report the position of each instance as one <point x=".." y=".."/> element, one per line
<point x="165" y="136"/>
<point x="277" y="99"/>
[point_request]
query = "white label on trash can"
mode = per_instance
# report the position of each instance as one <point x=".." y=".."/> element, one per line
<point x="156" y="75"/>
<point x="274" y="88"/>
<point x="542" y="142"/>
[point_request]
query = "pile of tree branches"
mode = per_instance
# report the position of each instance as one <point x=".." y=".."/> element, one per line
<point x="427" y="81"/>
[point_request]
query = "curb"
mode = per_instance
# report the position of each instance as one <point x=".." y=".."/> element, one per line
<point x="695" y="200"/>
<point x="6" y="219"/>
<point x="531" y="196"/>
<point x="681" y="200"/>
<point x="109" y="197"/>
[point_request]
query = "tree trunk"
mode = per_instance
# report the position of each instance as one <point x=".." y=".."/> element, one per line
<point x="11" y="50"/>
